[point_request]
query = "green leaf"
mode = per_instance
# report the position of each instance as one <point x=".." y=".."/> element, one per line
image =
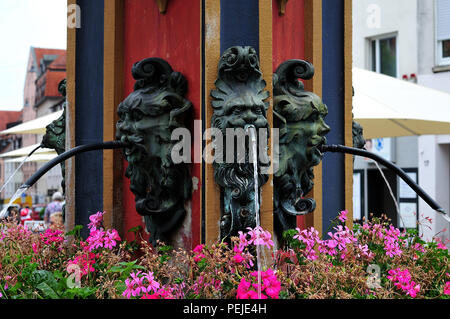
<point x="47" y="290"/>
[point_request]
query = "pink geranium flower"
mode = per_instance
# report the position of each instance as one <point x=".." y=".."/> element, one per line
<point x="447" y="288"/>
<point x="343" y="216"/>
<point x="96" y="221"/>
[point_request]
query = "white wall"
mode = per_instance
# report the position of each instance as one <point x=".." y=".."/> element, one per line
<point x="378" y="17"/>
<point x="434" y="177"/>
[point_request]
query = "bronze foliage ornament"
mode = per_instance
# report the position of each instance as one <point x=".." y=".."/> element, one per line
<point x="357" y="134"/>
<point x="299" y="116"/>
<point x="147" y="118"/>
<point x="55" y="135"/>
<point x="239" y="102"/>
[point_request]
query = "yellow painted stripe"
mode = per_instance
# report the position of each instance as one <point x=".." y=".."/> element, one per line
<point x="212" y="57"/>
<point x="348" y="109"/>
<point x="112" y="95"/>
<point x="265" y="56"/>
<point x="313" y="54"/>
<point x="70" y="132"/>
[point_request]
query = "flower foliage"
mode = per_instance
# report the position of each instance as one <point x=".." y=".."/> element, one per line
<point x="373" y="260"/>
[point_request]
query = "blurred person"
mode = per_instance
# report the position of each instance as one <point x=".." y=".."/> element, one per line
<point x="25" y="214"/>
<point x="54" y="207"/>
<point x="56" y="220"/>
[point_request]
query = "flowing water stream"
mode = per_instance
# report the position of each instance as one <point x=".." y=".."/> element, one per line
<point x="17" y="195"/>
<point x="254" y="151"/>
<point x="20" y="191"/>
<point x="17" y="169"/>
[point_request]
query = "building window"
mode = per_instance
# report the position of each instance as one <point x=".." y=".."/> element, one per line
<point x="383" y="52"/>
<point x="443" y="32"/>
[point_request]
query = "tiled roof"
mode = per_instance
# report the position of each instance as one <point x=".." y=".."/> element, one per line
<point x="7" y="117"/>
<point x="40" y="52"/>
<point x="55" y="71"/>
<point x="59" y="63"/>
<point x="53" y="79"/>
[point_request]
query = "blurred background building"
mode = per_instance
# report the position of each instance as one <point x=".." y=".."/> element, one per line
<point x="408" y="40"/>
<point x="45" y="69"/>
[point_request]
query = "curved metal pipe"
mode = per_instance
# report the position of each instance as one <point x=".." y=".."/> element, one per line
<point x="397" y="170"/>
<point x="68" y="154"/>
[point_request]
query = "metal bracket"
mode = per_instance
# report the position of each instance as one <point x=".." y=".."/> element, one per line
<point x="162" y="6"/>
<point x="282" y="7"/>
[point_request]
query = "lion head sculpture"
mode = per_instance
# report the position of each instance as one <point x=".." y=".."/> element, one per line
<point x="147" y="118"/>
<point x="299" y="115"/>
<point x="239" y="102"/>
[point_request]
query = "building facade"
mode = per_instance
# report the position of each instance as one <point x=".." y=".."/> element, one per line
<point x="408" y="40"/>
<point x="46" y="68"/>
<point x="8" y="143"/>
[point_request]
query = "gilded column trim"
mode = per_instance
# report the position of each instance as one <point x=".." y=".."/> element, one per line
<point x="348" y="109"/>
<point x="70" y="125"/>
<point x="265" y="58"/>
<point x="112" y="96"/>
<point x="212" y="57"/>
<point x="313" y="54"/>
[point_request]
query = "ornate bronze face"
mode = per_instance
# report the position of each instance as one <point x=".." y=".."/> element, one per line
<point x="299" y="115"/>
<point x="238" y="102"/>
<point x="147" y="118"/>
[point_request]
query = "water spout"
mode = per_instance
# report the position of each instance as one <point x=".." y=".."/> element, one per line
<point x="57" y="160"/>
<point x="397" y="170"/>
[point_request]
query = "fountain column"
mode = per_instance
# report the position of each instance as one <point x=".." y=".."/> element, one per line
<point x="191" y="37"/>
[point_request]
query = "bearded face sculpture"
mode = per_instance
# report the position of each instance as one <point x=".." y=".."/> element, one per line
<point x="238" y="103"/>
<point x="147" y="118"/>
<point x="299" y="115"/>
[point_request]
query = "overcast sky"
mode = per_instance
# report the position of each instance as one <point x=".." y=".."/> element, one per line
<point x="26" y="23"/>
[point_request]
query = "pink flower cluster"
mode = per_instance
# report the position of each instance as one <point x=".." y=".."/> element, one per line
<point x="343" y="216"/>
<point x="258" y="237"/>
<point x="15" y="233"/>
<point x="338" y="242"/>
<point x="309" y="238"/>
<point x="392" y="242"/>
<point x="270" y="286"/>
<point x="160" y="294"/>
<point x="139" y="284"/>
<point x="98" y="237"/>
<point x="52" y="236"/>
<point x="335" y="245"/>
<point x="198" y="250"/>
<point x="447" y="288"/>
<point x="85" y="262"/>
<point x="96" y="221"/>
<point x="419" y="247"/>
<point x="402" y="280"/>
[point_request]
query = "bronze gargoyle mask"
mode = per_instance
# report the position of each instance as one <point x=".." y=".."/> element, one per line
<point x="299" y="115"/>
<point x="147" y="118"/>
<point x="239" y="102"/>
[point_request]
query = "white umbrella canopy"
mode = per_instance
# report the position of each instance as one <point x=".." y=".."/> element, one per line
<point x="33" y="158"/>
<point x="24" y="151"/>
<point x="36" y="126"/>
<point x="389" y="107"/>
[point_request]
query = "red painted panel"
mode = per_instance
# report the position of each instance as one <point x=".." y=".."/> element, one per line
<point x="288" y="33"/>
<point x="175" y="37"/>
